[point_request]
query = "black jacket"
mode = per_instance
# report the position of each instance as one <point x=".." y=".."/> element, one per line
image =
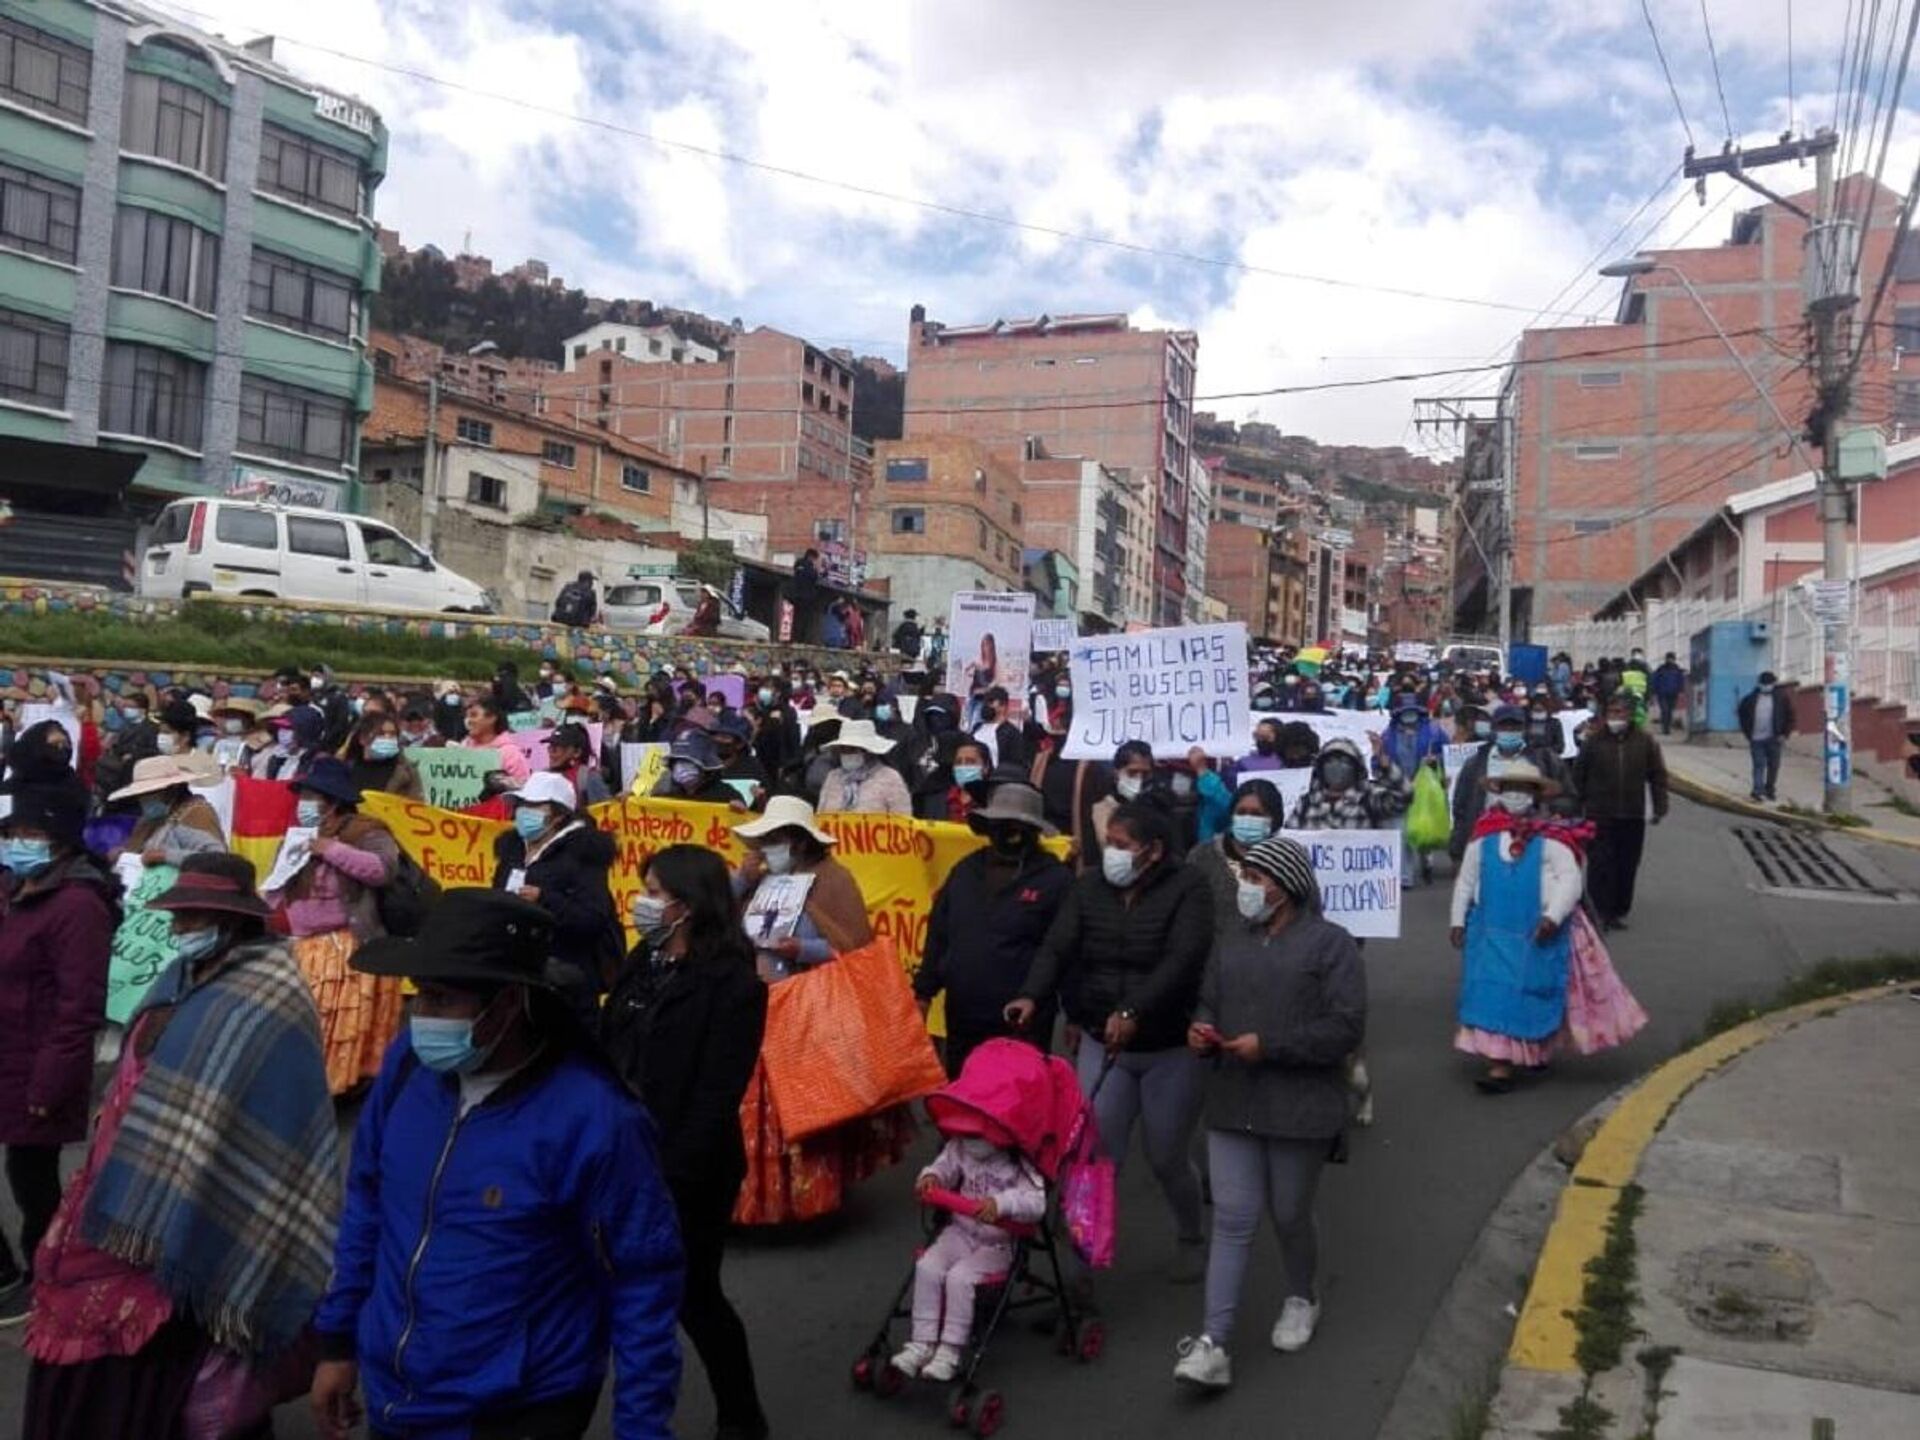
<point x="1104" y="955"/>
<point x="571" y="875"/>
<point x="685" y="1038"/>
<point x="980" y="945"/>
<point x="1782" y="713"/>
<point x="337" y="711"/>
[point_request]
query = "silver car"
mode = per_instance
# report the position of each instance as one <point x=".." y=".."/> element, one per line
<point x="666" y="607"/>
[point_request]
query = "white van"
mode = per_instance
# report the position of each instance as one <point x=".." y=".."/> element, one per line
<point x="241" y="547"/>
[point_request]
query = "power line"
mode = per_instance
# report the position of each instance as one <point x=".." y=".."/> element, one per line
<point x="1648" y="511"/>
<point x="1714" y="56"/>
<point x="1672" y="89"/>
<point x="1790" y="115"/>
<point x="1886" y="138"/>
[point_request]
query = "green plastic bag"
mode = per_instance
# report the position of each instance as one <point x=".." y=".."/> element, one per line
<point x="1429" y="824"/>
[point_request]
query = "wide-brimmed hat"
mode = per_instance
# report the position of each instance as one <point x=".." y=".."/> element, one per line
<point x="471" y="937"/>
<point x="695" y="748"/>
<point x="163" y="772"/>
<point x="860" y="735"/>
<point x="784" y="812"/>
<point x="214" y="881"/>
<point x="1519" y="772"/>
<point x="1013" y="800"/>
<point x="237" y="705"/>
<point x="330" y="777"/>
<point x="546" y="787"/>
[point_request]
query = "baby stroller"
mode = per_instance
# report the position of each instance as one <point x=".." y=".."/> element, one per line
<point x="1021" y="1100"/>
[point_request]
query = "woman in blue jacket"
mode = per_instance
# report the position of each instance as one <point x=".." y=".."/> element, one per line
<point x="506" y="1218"/>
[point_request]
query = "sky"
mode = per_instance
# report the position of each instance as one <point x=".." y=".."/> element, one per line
<point x="1323" y="192"/>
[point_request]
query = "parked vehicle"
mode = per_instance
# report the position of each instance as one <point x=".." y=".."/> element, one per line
<point x="242" y="547"/>
<point x="1474" y="655"/>
<point x="667" y="607"/>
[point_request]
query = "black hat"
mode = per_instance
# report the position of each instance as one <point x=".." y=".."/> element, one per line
<point x="214" y="880"/>
<point x="330" y="777"/>
<point x="58" y="807"/>
<point x="180" y="715"/>
<point x="472" y="937"/>
<point x="574" y="736"/>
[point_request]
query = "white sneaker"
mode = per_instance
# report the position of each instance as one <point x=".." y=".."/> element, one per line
<point x="913" y="1359"/>
<point x="1203" y="1364"/>
<point x="1360" y="1085"/>
<point x="944" y="1365"/>
<point x="1294" y="1328"/>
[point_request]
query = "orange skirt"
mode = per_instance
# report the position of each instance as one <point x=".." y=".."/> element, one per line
<point x="787" y="1183"/>
<point x="359" y="1014"/>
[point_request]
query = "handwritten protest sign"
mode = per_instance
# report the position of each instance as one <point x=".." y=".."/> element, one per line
<point x="1359" y="875"/>
<point x="143" y="945"/>
<point x="452" y="776"/>
<point x="1355" y="725"/>
<point x="642" y="763"/>
<point x="1172" y="688"/>
<point x="1049" y="635"/>
<point x="525" y="720"/>
<point x="1455" y="759"/>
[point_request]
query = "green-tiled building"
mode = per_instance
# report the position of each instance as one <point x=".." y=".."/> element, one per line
<point x="186" y="258"/>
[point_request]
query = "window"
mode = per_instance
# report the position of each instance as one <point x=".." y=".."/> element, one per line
<point x="1906" y="402"/>
<point x="983" y="535"/>
<point x="163" y="256"/>
<point x="906" y="471"/>
<point x="1599" y="379"/>
<point x="1044" y="364"/>
<point x="33" y="360"/>
<point x="1592" y="527"/>
<point x="1906" y="259"/>
<point x="284" y="291"/>
<point x="1016" y="512"/>
<point x="579" y="352"/>
<point x="43" y="73"/>
<point x="840" y="410"/>
<point x="488" y="490"/>
<point x="255" y="529"/>
<point x="909" y="520"/>
<point x="806" y="458"/>
<point x="557" y="452"/>
<point x="635" y="477"/>
<point x="1086" y="360"/>
<point x="325" y="538"/>
<point x="806" y="392"/>
<point x="653" y="347"/>
<point x="1906" y="327"/>
<point x="1596" y="452"/>
<point x="153" y="393"/>
<point x="308" y="172"/>
<point x="175" y="122"/>
<point x="386" y="548"/>
<point x="290" y="423"/>
<point x="38" y="215"/>
<point x="474" y="432"/>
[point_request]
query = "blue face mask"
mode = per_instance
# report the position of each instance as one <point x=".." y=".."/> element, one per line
<point x="883" y="714"/>
<point x="967" y="774"/>
<point x="1509" y="742"/>
<point x="196" y="945"/>
<point x="385" y="748"/>
<point x="26" y="857"/>
<point x="153" y="808"/>
<point x="529" y="820"/>
<point x="446" y="1046"/>
<point x="1251" y="829"/>
<point x="308" y="813"/>
<point x="764" y="696"/>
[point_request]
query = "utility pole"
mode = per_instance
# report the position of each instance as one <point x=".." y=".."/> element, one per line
<point x="1828" y="282"/>
<point x="430" y="474"/>
<point x="1465" y="413"/>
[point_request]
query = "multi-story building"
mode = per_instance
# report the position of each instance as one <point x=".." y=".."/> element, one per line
<point x="1088" y="385"/>
<point x="513" y="381"/>
<point x="1238" y="569"/>
<point x="1615" y="441"/>
<point x="1199" y="517"/>
<point x="944" y="515"/>
<point x="1084" y="510"/>
<point x="645" y="344"/>
<point x="1243" y="498"/>
<point x="185" y="257"/>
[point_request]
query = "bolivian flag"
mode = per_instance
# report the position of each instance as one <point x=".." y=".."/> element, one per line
<point x="262" y="813"/>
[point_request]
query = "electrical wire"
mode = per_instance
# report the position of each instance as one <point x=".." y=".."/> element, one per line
<point x="1674" y="90"/>
<point x="1892" y="108"/>
<point x="1714" y="56"/>
<point x="1790" y="107"/>
<point x="1647" y="511"/>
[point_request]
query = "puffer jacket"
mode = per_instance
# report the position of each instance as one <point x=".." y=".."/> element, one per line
<point x="488" y="1261"/>
<point x="1104" y="954"/>
<point x="571" y="876"/>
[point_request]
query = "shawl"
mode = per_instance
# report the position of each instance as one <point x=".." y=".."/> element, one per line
<point x="837" y="908"/>
<point x="225" y="1177"/>
<point x="1576" y="835"/>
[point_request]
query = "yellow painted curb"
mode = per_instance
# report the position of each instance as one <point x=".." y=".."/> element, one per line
<point x="1726" y="800"/>
<point x="1544" y="1337"/>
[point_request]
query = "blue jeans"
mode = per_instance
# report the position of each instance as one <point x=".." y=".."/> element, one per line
<point x="1766" y="765"/>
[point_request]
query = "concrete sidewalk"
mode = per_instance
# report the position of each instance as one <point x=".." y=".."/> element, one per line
<point x="1777" y="1237"/>
<point x="1720" y="774"/>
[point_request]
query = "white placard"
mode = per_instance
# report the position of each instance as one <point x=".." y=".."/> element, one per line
<point x="1359" y="875"/>
<point x="1413" y="652"/>
<point x="129" y="869"/>
<point x="220" y="796"/>
<point x="1355" y="725"/>
<point x="295" y="850"/>
<point x="1570" y="721"/>
<point x="516" y="881"/>
<point x="1455" y="759"/>
<point x="989" y="633"/>
<point x="1291" y="784"/>
<point x="1052" y="635"/>
<point x="773" y="914"/>
<point x="1174" y="688"/>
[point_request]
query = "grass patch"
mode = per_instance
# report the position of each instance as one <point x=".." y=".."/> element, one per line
<point x="1604" y="1320"/>
<point x="1473" y="1411"/>
<point x="219" y="636"/>
<point x="1820" y="817"/>
<point x="1821" y="982"/>
<point x="1900" y="805"/>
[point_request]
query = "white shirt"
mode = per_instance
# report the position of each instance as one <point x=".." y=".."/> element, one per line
<point x="987" y="732"/>
<point x="1560" y="879"/>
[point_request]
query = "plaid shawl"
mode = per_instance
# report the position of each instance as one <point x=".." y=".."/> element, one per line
<point x="225" y="1177"/>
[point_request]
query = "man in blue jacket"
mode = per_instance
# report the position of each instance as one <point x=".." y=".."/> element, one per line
<point x="506" y="1220"/>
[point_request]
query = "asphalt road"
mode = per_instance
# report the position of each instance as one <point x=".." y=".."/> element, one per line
<point x="1396" y="1222"/>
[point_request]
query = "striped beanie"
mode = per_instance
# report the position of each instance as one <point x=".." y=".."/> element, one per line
<point x="1285" y="860"/>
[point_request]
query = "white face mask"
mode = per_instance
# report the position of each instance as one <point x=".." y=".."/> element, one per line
<point x="1118" y="867"/>
<point x="1515" y="802"/>
<point x="1130" y="786"/>
<point x="166" y="744"/>
<point x="779" y="858"/>
<point x="1254" y="904"/>
<point x="853" y="759"/>
<point x="1618" y="727"/>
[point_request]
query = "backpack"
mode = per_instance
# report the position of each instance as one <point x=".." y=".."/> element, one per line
<point x="404" y="902"/>
<point x="572" y="607"/>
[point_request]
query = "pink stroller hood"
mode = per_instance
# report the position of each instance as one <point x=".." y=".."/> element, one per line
<point x="1010" y="1093"/>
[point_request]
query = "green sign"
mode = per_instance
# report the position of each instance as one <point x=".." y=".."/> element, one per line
<point x="143" y="946"/>
<point x="525" y="720"/>
<point x="453" y="777"/>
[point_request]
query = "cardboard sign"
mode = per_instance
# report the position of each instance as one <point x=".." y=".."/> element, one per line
<point x="143" y="945"/>
<point x="1454" y="759"/>
<point x="991" y="634"/>
<point x="1173" y="688"/>
<point x="1049" y="635"/>
<point x="1359" y="875"/>
<point x="774" y="911"/>
<point x="533" y="744"/>
<point x="452" y="776"/>
<point x="524" y="720"/>
<point x="1291" y="784"/>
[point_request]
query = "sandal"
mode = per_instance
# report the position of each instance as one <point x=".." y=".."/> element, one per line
<point x="1497" y="1080"/>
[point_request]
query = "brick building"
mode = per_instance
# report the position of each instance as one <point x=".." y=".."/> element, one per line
<point x="1097" y="517"/>
<point x="510" y="381"/>
<point x="1088" y="385"/>
<point x="945" y="514"/>
<point x="1621" y="439"/>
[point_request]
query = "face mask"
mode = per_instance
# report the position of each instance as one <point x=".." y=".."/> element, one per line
<point x="686" y="775"/>
<point x="851" y="760"/>
<point x="1182" y="785"/>
<point x="650" y="917"/>
<point x="1253" y="902"/>
<point x="318" y="683"/>
<point x="233" y="727"/>
<point x="1764" y="689"/>
<point x="1263" y="746"/>
<point x="385" y="748"/>
<point x="204" y="743"/>
<point x="134" y="713"/>
<point x="1117" y="866"/>
<point x="26" y="857"/>
<point x="167" y="744"/>
<point x="1251" y="829"/>
<point x="1514" y="802"/>
<point x="446" y="1046"/>
<point x="1617" y="727"/>
<point x="529" y="821"/>
<point x="1509" y="742"/>
<point x="1408" y="722"/>
<point x="1130" y="786"/>
<point x="779" y="858"/>
<point x="764" y="696"/>
<point x="1062" y="691"/>
<point x="308" y="813"/>
<point x="1482" y="729"/>
<point x="1339" y="775"/>
<point x="883" y="714"/>
<point x="153" y="808"/>
<point x="196" y="945"/>
<point x="968" y="774"/>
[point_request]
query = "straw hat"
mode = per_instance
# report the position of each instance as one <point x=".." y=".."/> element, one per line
<point x="860" y="735"/>
<point x="1520" y="773"/>
<point x="784" y="812"/>
<point x="237" y="705"/>
<point x="163" y="772"/>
